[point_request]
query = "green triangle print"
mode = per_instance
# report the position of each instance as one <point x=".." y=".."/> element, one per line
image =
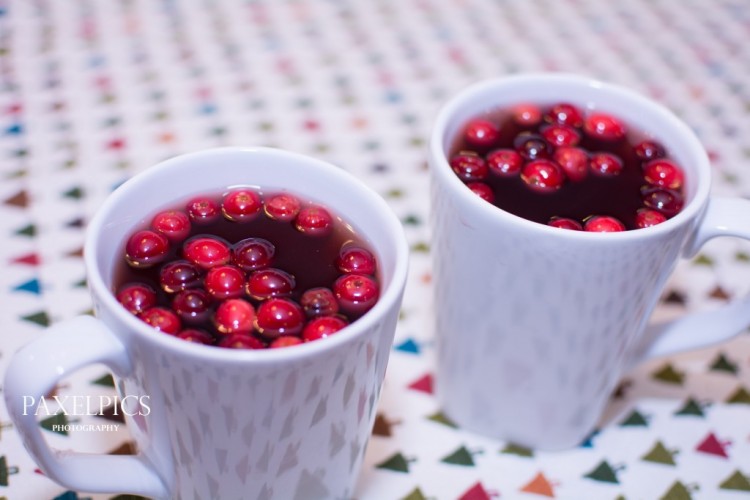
<point x="740" y="396"/>
<point x="722" y="364"/>
<point x="604" y="473"/>
<point x="416" y="494"/>
<point x="75" y="193"/>
<point x="669" y="375"/>
<point x="660" y="455"/>
<point x="635" y="419"/>
<point x="28" y="230"/>
<point x="677" y="491"/>
<point x="6" y="471"/>
<point x="461" y="456"/>
<point x="440" y="418"/>
<point x="514" y="449"/>
<point x="691" y="407"/>
<point x="396" y="462"/>
<point x="40" y="318"/>
<point x="56" y="423"/>
<point x="737" y="482"/>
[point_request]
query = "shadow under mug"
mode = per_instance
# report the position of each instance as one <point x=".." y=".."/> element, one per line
<point x="221" y="423"/>
<point x="535" y="325"/>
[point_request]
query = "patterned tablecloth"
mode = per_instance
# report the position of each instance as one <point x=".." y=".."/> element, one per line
<point x="94" y="92"/>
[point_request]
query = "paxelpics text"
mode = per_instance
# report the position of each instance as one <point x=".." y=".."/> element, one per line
<point x="86" y="405"/>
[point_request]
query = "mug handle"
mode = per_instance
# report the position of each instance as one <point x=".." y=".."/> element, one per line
<point x="35" y="369"/>
<point x="723" y="217"/>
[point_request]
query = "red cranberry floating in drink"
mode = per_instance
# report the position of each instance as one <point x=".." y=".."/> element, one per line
<point x="564" y="114"/>
<point x="192" y="305"/>
<point x="206" y="251"/>
<point x="203" y="210"/>
<point x="527" y="115"/>
<point x="356" y="293"/>
<point x="573" y="161"/>
<point x="283" y="207"/>
<point x="663" y="173"/>
<point x="162" y="319"/>
<point x="645" y="217"/>
<point x="252" y="254"/>
<point x="482" y="190"/>
<point x="240" y="341"/>
<point x="234" y="316"/>
<point x="531" y="146"/>
<point x="285" y="341"/>
<point x="322" y="327"/>
<point x="603" y="224"/>
<point x="504" y="162"/>
<point x="196" y="336"/>
<point x="315" y="221"/>
<point x="137" y="297"/>
<point x="605" y="164"/>
<point x="482" y="133"/>
<point x="268" y="283"/>
<point x="279" y="317"/>
<point x="561" y="135"/>
<point x="225" y="282"/>
<point x="469" y="167"/>
<point x="355" y="259"/>
<point x="179" y="275"/>
<point x="146" y="248"/>
<point x="543" y="175"/>
<point x="319" y="301"/>
<point x="604" y="127"/>
<point x="173" y="224"/>
<point x="241" y="205"/>
<point x="649" y="150"/>
<point x="565" y="223"/>
<point x="667" y="201"/>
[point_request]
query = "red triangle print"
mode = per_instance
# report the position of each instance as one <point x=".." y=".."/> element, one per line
<point x="539" y="485"/>
<point x="477" y="492"/>
<point x="713" y="446"/>
<point x="20" y="199"/>
<point x="423" y="384"/>
<point x="30" y="259"/>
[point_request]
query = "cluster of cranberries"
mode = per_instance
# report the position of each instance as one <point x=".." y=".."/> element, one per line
<point x="201" y="287"/>
<point x="550" y="149"/>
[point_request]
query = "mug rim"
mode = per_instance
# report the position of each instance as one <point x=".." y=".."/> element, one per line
<point x="440" y="166"/>
<point x="389" y="297"/>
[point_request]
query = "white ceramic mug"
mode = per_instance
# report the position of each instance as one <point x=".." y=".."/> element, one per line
<point x="222" y="423"/>
<point x="535" y="325"/>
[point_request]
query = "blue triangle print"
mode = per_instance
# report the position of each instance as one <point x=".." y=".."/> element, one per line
<point x="31" y="286"/>
<point x="409" y="345"/>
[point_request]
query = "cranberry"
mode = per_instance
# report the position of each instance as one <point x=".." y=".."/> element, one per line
<point x="162" y="319"/>
<point x="225" y="282"/>
<point x="179" y="275"/>
<point x="240" y="341"/>
<point x="482" y="190"/>
<point x="469" y="167"/>
<point x="241" y="205"/>
<point x="482" y="133"/>
<point x="252" y="254"/>
<point x="645" y="217"/>
<point x="268" y="283"/>
<point x="137" y="297"/>
<point x="234" y="316"/>
<point x="146" y="248"/>
<point x="354" y="259"/>
<point x="543" y="175"/>
<point x="504" y="162"/>
<point x="565" y="223"/>
<point x="173" y="224"/>
<point x="564" y="114"/>
<point x="356" y="293"/>
<point x="667" y="201"/>
<point x="531" y="146"/>
<point x="278" y="317"/>
<point x="283" y="207"/>
<point x="203" y="210"/>
<point x="285" y="341"/>
<point x="192" y="305"/>
<point x="322" y="327"/>
<point x="315" y="221"/>
<point x="663" y="173"/>
<point x="605" y="164"/>
<point x="574" y="162"/>
<point x="526" y="115"/>
<point x="604" y="127"/>
<point x="196" y="336"/>
<point x="603" y="224"/>
<point x="319" y="301"/>
<point x="206" y="251"/>
<point x="561" y="135"/>
<point x="649" y="150"/>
